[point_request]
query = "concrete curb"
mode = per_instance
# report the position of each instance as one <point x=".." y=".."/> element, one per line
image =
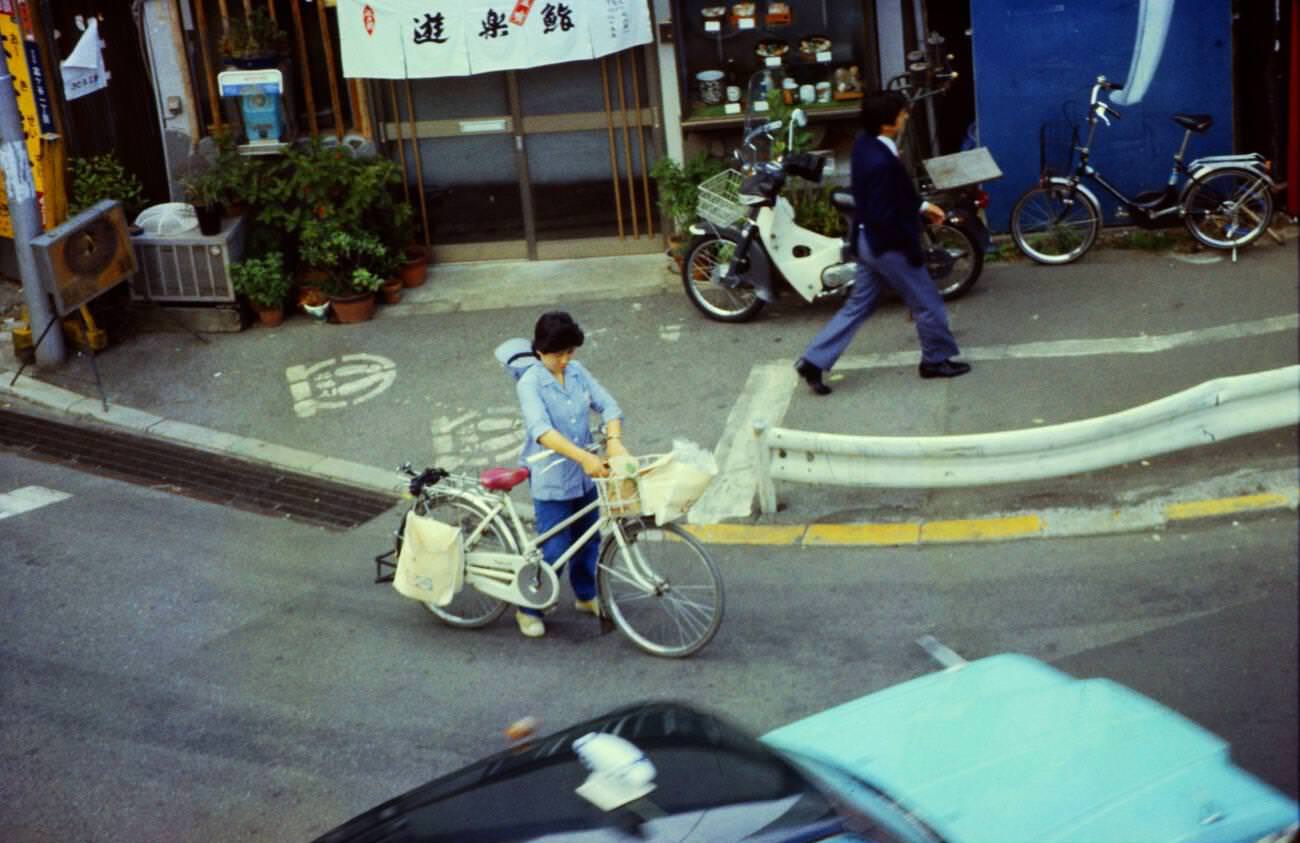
<point x="1243" y="493"/>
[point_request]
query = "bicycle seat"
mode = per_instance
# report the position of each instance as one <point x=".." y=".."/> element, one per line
<point x="1194" y="122"/>
<point x="502" y="479"/>
<point x="843" y="200"/>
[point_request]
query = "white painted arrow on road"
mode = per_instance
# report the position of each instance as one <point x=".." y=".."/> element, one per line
<point x="28" y="498"/>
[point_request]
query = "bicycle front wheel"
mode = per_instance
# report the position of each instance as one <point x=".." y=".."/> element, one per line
<point x="1228" y="208"/>
<point x="1055" y="224"/>
<point x="470" y="608"/>
<point x="663" y="591"/>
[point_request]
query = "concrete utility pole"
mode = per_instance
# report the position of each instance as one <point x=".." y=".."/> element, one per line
<point x="25" y="217"/>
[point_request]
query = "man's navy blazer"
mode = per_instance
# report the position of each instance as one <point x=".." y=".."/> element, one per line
<point x="888" y="208"/>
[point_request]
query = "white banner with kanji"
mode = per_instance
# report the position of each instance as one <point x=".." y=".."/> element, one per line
<point x="370" y="38"/>
<point x="618" y="24"/>
<point x="418" y="39"/>
<point x="434" y="38"/>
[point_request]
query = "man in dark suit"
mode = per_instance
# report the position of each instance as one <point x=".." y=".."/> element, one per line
<point x="887" y="235"/>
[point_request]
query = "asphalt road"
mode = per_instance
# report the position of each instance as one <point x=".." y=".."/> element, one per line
<point x="174" y="670"/>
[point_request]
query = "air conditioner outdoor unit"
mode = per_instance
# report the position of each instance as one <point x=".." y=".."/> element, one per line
<point x="188" y="268"/>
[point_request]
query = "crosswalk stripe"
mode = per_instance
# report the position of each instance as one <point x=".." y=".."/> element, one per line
<point x="28" y="498"/>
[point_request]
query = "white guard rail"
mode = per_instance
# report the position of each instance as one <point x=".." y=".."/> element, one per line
<point x="1211" y="412"/>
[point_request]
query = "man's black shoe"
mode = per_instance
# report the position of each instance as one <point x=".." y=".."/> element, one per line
<point x="944" y="369"/>
<point x="812" y="376"/>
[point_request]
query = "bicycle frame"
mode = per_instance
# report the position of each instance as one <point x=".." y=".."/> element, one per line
<point x="1169" y="202"/>
<point x="496" y="574"/>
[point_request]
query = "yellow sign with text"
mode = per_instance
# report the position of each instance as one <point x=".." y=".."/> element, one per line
<point x="15" y="54"/>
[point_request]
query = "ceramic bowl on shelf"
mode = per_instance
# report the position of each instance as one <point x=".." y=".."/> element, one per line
<point x="710" y="85"/>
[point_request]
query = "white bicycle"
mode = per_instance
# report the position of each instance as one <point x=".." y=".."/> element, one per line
<point x="656" y="583"/>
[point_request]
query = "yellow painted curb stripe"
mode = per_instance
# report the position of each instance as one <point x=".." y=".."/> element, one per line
<point x="747" y="533"/>
<point x="981" y="529"/>
<point x="862" y="534"/>
<point x="1224" y="506"/>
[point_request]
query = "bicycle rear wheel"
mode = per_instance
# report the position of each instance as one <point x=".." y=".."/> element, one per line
<point x="470" y="608"/>
<point x="663" y="592"/>
<point x="1055" y="224"/>
<point x="1228" y="208"/>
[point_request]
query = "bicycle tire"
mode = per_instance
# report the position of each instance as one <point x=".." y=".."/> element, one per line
<point x="683" y="611"/>
<point x="471" y="608"/>
<point x="1208" y="212"/>
<point x="704" y="257"/>
<point x="1039" y="228"/>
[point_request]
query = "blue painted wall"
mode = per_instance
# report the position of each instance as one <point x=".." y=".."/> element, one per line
<point x="1034" y="57"/>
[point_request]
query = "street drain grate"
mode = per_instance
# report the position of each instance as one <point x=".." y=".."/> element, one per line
<point x="255" y="487"/>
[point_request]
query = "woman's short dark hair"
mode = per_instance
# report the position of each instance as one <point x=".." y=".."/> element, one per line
<point x="556" y="331"/>
<point x="881" y="109"/>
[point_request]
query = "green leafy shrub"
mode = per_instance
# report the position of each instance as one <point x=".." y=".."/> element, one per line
<point x="262" y="280"/>
<point x="103" y="177"/>
<point x="678" y="187"/>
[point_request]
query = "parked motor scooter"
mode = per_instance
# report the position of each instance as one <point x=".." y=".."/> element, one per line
<point x="748" y="239"/>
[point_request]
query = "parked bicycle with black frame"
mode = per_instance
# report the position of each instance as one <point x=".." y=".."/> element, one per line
<point x="1226" y="201"/>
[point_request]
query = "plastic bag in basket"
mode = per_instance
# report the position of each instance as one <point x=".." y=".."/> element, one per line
<point x="431" y="566"/>
<point x="673" y="485"/>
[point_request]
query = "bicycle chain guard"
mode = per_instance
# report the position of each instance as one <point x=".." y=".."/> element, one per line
<point x="537" y="583"/>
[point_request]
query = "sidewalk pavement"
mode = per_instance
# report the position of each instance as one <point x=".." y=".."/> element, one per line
<point x="349" y="402"/>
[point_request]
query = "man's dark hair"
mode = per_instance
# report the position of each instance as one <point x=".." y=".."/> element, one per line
<point x="881" y="109"/>
<point x="556" y="331"/>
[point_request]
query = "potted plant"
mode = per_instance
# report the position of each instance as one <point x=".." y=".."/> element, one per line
<point x="103" y="177"/>
<point x="204" y="191"/>
<point x="678" y="187"/>
<point x="348" y="259"/>
<point x="253" y="42"/>
<point x="264" y="283"/>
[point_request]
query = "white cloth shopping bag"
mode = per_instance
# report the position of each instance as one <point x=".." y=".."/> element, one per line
<point x="431" y="566"/>
<point x="670" y="487"/>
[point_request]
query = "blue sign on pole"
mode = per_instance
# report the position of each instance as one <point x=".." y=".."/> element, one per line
<point x="39" y="91"/>
<point x="1036" y="59"/>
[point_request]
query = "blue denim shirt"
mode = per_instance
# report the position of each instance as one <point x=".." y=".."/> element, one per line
<point x="548" y="405"/>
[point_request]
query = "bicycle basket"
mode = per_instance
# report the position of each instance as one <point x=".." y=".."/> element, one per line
<point x="1057" y="144"/>
<point x="719" y="198"/>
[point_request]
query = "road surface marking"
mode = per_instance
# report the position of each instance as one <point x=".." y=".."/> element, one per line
<point x="981" y="529"/>
<point x="28" y="498"/>
<point x="1224" y="506"/>
<point x="863" y="534"/>
<point x="334" y="384"/>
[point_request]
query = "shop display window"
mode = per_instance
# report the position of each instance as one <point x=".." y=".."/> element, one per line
<point x="816" y="50"/>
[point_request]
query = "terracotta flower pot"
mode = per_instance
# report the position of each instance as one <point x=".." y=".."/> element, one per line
<point x="392" y="290"/>
<point x="413" y="272"/>
<point x="353" y="308"/>
<point x="270" y="317"/>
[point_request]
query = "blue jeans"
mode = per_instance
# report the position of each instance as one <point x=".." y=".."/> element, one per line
<point x="913" y="285"/>
<point x="582" y="565"/>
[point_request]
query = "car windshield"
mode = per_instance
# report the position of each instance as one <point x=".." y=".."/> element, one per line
<point x="868" y="810"/>
<point x="712" y="782"/>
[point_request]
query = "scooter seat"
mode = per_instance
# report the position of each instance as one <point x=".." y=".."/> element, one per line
<point x="843" y="200"/>
<point x="1194" y="122"/>
<point x="502" y="479"/>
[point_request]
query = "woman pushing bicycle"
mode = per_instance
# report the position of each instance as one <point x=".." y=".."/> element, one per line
<point x="555" y="399"/>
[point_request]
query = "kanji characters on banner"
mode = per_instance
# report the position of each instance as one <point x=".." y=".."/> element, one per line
<point x="370" y="37"/>
<point x="434" y="39"/>
<point x="618" y="24"/>
<point x="393" y="39"/>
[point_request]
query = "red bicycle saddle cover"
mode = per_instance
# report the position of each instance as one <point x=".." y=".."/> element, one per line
<point x="502" y="479"/>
